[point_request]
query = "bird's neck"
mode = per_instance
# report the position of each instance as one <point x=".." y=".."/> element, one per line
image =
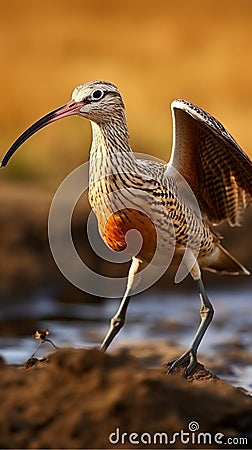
<point x="110" y="151"/>
<point x="109" y="138"/>
<point x="111" y="161"/>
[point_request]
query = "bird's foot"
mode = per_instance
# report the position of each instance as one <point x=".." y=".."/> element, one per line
<point x="188" y="360"/>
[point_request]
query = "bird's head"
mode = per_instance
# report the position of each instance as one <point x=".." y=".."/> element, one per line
<point x="98" y="101"/>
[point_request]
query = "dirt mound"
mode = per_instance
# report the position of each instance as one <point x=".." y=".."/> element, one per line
<point x="87" y="399"/>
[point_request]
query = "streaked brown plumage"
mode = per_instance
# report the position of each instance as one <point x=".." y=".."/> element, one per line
<point x="130" y="193"/>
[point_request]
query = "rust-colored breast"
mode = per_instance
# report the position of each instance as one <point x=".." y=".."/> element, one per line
<point x="120" y="222"/>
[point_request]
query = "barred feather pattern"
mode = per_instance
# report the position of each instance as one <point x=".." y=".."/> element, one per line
<point x="119" y="183"/>
<point x="217" y="169"/>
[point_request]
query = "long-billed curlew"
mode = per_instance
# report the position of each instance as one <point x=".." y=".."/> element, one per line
<point x="203" y="153"/>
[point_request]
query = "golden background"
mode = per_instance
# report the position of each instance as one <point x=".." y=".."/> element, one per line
<point x="154" y="51"/>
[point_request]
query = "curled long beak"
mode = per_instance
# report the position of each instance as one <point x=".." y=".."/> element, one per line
<point x="69" y="109"/>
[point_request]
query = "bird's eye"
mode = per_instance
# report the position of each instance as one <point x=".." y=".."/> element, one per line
<point x="97" y="94"/>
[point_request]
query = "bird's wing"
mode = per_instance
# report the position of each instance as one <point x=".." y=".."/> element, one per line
<point x="216" y="168"/>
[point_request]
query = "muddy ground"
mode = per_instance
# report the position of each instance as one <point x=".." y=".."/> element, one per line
<point x="87" y="399"/>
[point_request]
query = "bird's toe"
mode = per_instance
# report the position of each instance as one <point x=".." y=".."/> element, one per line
<point x="187" y="360"/>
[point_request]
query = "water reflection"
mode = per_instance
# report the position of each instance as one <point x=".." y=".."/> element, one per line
<point x="152" y="316"/>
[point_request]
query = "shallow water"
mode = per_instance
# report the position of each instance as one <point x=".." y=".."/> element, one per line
<point x="152" y="316"/>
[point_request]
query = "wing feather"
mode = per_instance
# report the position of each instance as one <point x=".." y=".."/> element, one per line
<point x="211" y="161"/>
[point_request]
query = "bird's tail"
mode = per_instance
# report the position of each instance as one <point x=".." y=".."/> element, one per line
<point x="222" y="262"/>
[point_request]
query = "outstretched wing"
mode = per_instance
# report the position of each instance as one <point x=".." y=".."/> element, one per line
<point x="216" y="168"/>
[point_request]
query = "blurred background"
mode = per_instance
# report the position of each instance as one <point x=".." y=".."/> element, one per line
<point x="155" y="52"/>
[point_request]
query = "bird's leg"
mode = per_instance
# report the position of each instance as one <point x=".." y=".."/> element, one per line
<point x="189" y="358"/>
<point x="118" y="320"/>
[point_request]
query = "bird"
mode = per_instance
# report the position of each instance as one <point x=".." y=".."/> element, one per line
<point x="205" y="160"/>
